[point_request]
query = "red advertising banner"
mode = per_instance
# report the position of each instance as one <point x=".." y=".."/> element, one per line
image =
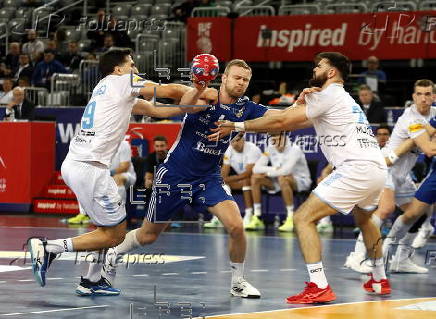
<point x="209" y="35"/>
<point x="387" y="35"/>
<point x="27" y="157"/>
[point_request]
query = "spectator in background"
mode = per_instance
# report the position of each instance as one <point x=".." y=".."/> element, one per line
<point x="373" y="77"/>
<point x="108" y="43"/>
<point x="6" y="95"/>
<point x="154" y="159"/>
<point x="119" y="34"/>
<point x="373" y="109"/>
<point x="33" y="47"/>
<point x="285" y="97"/>
<point x="46" y="68"/>
<point x="53" y="46"/>
<point x="12" y="57"/>
<point x="72" y="58"/>
<point x="96" y="35"/>
<point x="183" y="11"/>
<point x="20" y="107"/>
<point x="382" y="134"/>
<point x="5" y="72"/>
<point x="24" y="81"/>
<point x="24" y="67"/>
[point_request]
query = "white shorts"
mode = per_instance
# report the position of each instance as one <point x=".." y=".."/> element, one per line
<point x="353" y="183"/>
<point x="96" y="191"/>
<point x="404" y="188"/>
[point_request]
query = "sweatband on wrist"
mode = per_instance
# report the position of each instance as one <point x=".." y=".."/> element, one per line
<point x="239" y="126"/>
<point x="393" y="157"/>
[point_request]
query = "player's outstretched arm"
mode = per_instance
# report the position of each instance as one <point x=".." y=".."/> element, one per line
<point x="289" y="119"/>
<point x="404" y="148"/>
<point x="171" y="91"/>
<point x="143" y="107"/>
<point x="424" y="142"/>
<point x="198" y="95"/>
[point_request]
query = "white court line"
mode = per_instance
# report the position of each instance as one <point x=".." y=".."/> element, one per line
<point x="311" y="307"/>
<point x="259" y="270"/>
<point x="55" y="310"/>
<point x="170" y="274"/>
<point x="143" y="275"/>
<point x="225" y="271"/>
<point x="55" y="278"/>
<point x="2" y="282"/>
<point x="288" y="269"/>
<point x="199" y="273"/>
<point x="25" y="280"/>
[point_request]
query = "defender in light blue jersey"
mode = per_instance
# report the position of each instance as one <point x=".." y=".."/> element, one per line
<point x="191" y="175"/>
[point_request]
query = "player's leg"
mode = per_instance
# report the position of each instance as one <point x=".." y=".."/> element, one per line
<point x="386" y="207"/>
<point x="228" y="213"/>
<point x="288" y="185"/>
<point x="305" y="218"/>
<point x="257" y="182"/>
<point x="425" y="231"/>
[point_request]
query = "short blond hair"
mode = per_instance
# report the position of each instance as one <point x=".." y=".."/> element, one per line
<point x="237" y="62"/>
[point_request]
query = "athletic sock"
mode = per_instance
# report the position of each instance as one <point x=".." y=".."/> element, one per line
<point x="317" y="275"/>
<point x="130" y="243"/>
<point x="248" y="212"/>
<point x="257" y="209"/>
<point x="398" y="230"/>
<point x="237" y="271"/>
<point x="58" y="246"/>
<point x="378" y="272"/>
<point x="290" y="210"/>
<point x="360" y="247"/>
<point x="95" y="266"/>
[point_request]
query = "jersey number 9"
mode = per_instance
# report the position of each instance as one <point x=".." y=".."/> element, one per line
<point x="88" y="116"/>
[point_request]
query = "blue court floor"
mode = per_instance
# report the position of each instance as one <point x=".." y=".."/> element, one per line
<point x="185" y="272"/>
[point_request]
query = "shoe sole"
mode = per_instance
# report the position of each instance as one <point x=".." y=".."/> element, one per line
<point x="38" y="273"/>
<point x="243" y="296"/>
<point x="309" y="302"/>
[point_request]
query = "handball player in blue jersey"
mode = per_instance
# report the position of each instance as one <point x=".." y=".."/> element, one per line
<point x="191" y="175"/>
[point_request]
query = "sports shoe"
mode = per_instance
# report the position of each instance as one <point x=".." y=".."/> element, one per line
<point x="406" y="266"/>
<point x="387" y="243"/>
<point x="99" y="288"/>
<point x="288" y="225"/>
<point x="247" y="219"/>
<point x="255" y="224"/>
<point x="78" y="219"/>
<point x="325" y="228"/>
<point x="381" y="287"/>
<point x="424" y="233"/>
<point x="109" y="270"/>
<point x="213" y="223"/>
<point x="40" y="258"/>
<point x="244" y="289"/>
<point x="358" y="262"/>
<point x="312" y="294"/>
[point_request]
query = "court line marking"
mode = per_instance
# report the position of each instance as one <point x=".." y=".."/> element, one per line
<point x="141" y="275"/>
<point x="25" y="280"/>
<point x="49" y="311"/>
<point x="311" y="307"/>
<point x="259" y="270"/>
<point x="288" y="269"/>
<point x="170" y="274"/>
<point x="199" y="272"/>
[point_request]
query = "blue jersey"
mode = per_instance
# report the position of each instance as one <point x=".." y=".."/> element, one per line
<point x="192" y="155"/>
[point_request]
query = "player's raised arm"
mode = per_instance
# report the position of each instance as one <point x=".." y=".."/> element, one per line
<point x="143" y="107"/>
<point x="404" y="148"/>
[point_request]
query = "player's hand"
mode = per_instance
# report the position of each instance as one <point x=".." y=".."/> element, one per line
<point x="301" y="100"/>
<point x="199" y="85"/>
<point x="223" y="129"/>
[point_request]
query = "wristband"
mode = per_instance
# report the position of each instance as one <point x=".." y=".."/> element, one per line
<point x="393" y="157"/>
<point x="239" y="126"/>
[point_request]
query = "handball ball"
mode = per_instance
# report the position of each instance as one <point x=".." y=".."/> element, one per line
<point x="205" y="67"/>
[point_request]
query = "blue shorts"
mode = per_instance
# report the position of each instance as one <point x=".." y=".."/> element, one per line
<point x="171" y="192"/>
<point x="427" y="191"/>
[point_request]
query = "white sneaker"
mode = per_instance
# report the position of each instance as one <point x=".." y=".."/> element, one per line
<point x="213" y="223"/>
<point x="359" y="263"/>
<point x="109" y="270"/>
<point x="244" y="289"/>
<point x="324" y="227"/>
<point x="247" y="219"/>
<point x="406" y="266"/>
<point x="424" y="233"/>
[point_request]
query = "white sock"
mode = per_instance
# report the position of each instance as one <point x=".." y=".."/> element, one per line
<point x="378" y="271"/>
<point x="58" y="246"/>
<point x="360" y="247"/>
<point x="376" y="220"/>
<point x="95" y="266"/>
<point x="325" y="220"/>
<point x="399" y="229"/>
<point x="317" y="275"/>
<point x="405" y="249"/>
<point x="122" y="192"/>
<point x="130" y="243"/>
<point x="248" y="212"/>
<point x="237" y="271"/>
<point x="257" y="209"/>
<point x="290" y="210"/>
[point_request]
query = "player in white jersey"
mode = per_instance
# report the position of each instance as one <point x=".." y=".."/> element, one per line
<point x="288" y="172"/>
<point x="239" y="157"/>
<point x="400" y="188"/>
<point x="349" y="145"/>
<point x="86" y="167"/>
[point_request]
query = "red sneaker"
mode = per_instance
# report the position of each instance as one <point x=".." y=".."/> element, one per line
<point x="381" y="287"/>
<point x="312" y="294"/>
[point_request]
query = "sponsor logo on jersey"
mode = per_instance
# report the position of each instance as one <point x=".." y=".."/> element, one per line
<point x="207" y="150"/>
<point x="415" y="127"/>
